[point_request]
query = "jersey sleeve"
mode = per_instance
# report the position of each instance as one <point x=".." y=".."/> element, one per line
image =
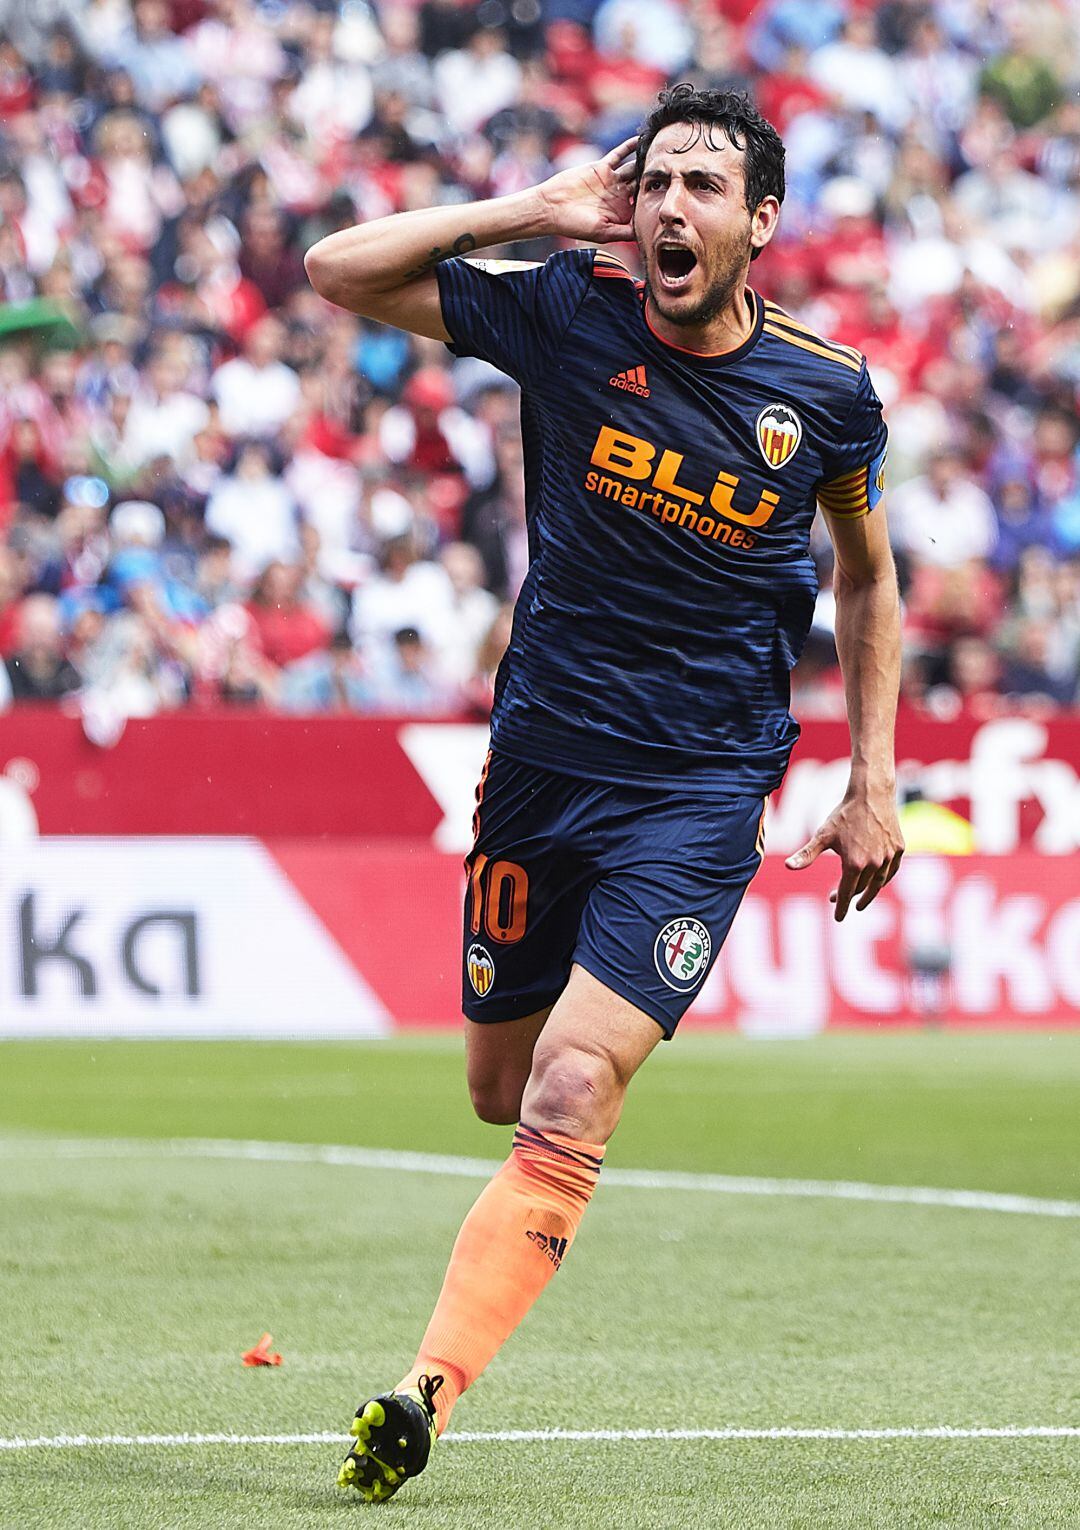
<point x="854" y="476"/>
<point x="516" y="318"/>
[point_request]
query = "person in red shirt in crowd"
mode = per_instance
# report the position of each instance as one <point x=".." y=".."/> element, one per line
<point x="622" y="87"/>
<point x="11" y="588"/>
<point x="945" y="604"/>
<point x="29" y="474"/>
<point x="790" y="91"/>
<point x="417" y="437"/>
<point x="852" y="253"/>
<point x="267" y="259"/>
<point x="285" y="628"/>
<point x="889" y="343"/>
<point x="973" y="674"/>
<point x="16" y="83"/>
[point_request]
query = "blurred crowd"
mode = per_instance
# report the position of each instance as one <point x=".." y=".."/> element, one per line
<point x="215" y="487"/>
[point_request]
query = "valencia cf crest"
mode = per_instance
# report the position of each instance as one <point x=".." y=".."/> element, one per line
<point x="779" y="432"/>
<point x="481" y="969"/>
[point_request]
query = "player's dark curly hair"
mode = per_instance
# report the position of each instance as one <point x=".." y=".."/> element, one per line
<point x="732" y="113"/>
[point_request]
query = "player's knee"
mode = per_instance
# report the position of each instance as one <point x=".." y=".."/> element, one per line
<point x="574" y="1091"/>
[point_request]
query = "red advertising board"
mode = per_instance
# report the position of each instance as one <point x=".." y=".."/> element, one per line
<point x="196" y="838"/>
<point x="982" y="940"/>
<point x="231" y="936"/>
<point x="1017" y="778"/>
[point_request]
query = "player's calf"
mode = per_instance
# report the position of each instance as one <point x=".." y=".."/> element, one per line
<point x="499" y="1057"/>
<point x="497" y="1101"/>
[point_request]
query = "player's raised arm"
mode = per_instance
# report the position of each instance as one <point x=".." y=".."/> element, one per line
<point x="384" y="270"/>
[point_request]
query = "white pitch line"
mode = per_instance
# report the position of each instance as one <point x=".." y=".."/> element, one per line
<point x="541" y="1436"/>
<point x="341" y="1156"/>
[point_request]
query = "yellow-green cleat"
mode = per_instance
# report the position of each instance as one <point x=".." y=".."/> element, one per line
<point x="394" y="1434"/>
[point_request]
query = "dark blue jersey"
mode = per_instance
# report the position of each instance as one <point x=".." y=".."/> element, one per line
<point x="669" y="498"/>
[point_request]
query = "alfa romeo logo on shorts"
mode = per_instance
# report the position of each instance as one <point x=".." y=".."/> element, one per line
<point x="682" y="953"/>
<point x="481" y="969"/>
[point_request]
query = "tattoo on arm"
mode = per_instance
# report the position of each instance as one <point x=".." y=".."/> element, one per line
<point x="461" y="246"/>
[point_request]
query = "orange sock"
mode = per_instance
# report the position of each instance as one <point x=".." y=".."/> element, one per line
<point x="510" y="1245"/>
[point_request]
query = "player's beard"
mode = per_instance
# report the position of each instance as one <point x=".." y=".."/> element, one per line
<point x="728" y="265"/>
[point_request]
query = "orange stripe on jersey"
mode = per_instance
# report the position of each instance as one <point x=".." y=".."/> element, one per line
<point x="816" y="350"/>
<point x="777" y="315"/>
<point x="609" y="266"/>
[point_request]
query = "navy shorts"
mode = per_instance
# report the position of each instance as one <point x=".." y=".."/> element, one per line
<point x="634" y="883"/>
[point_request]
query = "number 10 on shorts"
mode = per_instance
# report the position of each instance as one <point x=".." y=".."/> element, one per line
<point x="498" y="899"/>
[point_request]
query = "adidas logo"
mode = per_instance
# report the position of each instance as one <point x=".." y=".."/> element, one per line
<point x="554" y="1248"/>
<point x="632" y="381"/>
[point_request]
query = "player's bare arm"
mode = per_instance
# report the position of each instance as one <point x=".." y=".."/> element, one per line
<point x="864" y="830"/>
<point x="384" y="269"/>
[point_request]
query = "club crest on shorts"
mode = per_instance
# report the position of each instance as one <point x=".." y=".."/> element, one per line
<point x="481" y="969"/>
<point x="682" y="952"/>
<point x="779" y="432"/>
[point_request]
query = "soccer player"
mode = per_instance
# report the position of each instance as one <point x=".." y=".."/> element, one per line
<point x="679" y="433"/>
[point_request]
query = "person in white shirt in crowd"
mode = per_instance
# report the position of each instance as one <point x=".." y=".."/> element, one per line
<point x="236" y="49"/>
<point x="473" y="609"/>
<point x="402" y="68"/>
<point x="316" y="591"/>
<point x="475" y="82"/>
<point x="943" y="517"/>
<point x="334" y="98"/>
<point x="938" y="80"/>
<point x="663" y="37"/>
<point x="1007" y="205"/>
<point x="128" y="675"/>
<point x="191" y="133"/>
<point x="860" y="75"/>
<point x="254" y="510"/>
<point x="162" y="65"/>
<point x="408" y="591"/>
<point x="257" y="391"/>
<point x="48" y="214"/>
<point x="140" y="196"/>
<point x="164" y="418"/>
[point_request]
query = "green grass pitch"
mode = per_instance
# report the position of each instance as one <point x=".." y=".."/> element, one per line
<point x="129" y="1287"/>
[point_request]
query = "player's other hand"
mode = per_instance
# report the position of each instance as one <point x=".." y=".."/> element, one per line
<point x="595" y="201"/>
<point x="865" y="833"/>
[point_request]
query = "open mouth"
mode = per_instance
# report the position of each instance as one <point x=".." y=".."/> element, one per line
<point x="676" y="264"/>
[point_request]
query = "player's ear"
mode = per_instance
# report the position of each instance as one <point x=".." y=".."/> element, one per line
<point x="763" y="222"/>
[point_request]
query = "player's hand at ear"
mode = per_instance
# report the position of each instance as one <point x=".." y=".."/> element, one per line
<point x="594" y="201"/>
<point x="864" y="831"/>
